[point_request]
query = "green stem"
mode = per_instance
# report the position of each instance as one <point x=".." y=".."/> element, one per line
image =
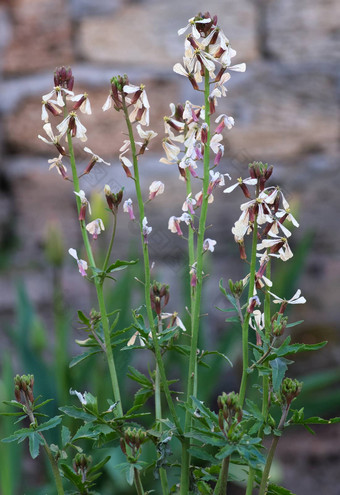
<point x="107" y="257"/>
<point x="158" y="410"/>
<point x="245" y="326"/>
<point x="195" y="315"/>
<point x="99" y="287"/>
<point x="147" y="272"/>
<point x="271" y="453"/>
<point x="55" y="469"/>
<point x="265" y="397"/>
<point x="250" y="482"/>
<point x="138" y="482"/>
<point x="221" y="487"/>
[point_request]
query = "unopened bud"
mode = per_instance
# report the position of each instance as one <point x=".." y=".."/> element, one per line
<point x="290" y="389"/>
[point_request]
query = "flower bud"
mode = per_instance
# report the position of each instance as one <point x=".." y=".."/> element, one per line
<point x="290" y="389"/>
<point x="113" y="200"/>
<point x="159" y="295"/>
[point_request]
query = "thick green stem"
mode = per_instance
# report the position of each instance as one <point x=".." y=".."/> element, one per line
<point x="271" y="453"/>
<point x="250" y="482"/>
<point x="99" y="288"/>
<point x="245" y="326"/>
<point x="147" y="273"/>
<point x="138" y="482"/>
<point x="221" y="487"/>
<point x="197" y="293"/>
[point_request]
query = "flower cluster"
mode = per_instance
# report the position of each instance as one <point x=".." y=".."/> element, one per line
<point x="190" y="135"/>
<point x="264" y="215"/>
<point x="61" y="101"/>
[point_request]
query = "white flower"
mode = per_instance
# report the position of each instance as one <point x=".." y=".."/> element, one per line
<point x="209" y="245"/>
<point x="108" y="103"/>
<point x="189" y="204"/>
<point x="95" y="157"/>
<point x="125" y="161"/>
<point x="83" y="199"/>
<point x="238" y="67"/>
<point x="128" y="208"/>
<point x="172" y="151"/>
<point x="57" y="91"/>
<point x="175" y="320"/>
<point x="95" y="227"/>
<point x="56" y="162"/>
<point x="239" y="182"/>
<point x="141" y="106"/>
<point x="146" y="135"/>
<point x="83" y="103"/>
<point x="80" y="396"/>
<point x="155" y="188"/>
<point x="227" y="122"/>
<point x="53" y="139"/>
<point x="192" y="23"/>
<point x="146" y="230"/>
<point x="278" y="245"/>
<point x="241" y="227"/>
<point x="72" y="123"/>
<point x="174" y="225"/>
<point x="215" y="142"/>
<point x="132" y="340"/>
<point x="296" y="299"/>
<point x="82" y="265"/>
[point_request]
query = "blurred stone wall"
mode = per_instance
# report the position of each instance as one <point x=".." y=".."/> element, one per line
<point x="285" y="107"/>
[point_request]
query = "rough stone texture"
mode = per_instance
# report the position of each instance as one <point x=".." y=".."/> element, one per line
<point x="285" y="108"/>
<point x="146" y="33"/>
<point x="304" y="31"/>
<point x="41" y="36"/>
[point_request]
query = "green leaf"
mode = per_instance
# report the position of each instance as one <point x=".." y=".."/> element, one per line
<point x="83" y="318"/>
<point x="202" y="454"/>
<point x="35" y="441"/>
<point x="72" y="476"/>
<point x="138" y="377"/>
<point x="65" y="435"/>
<point x="208" y="437"/>
<point x="226" y="451"/>
<point x="279" y="368"/>
<point x="98" y="466"/>
<point x="81" y="357"/>
<point x="52" y="423"/>
<point x="120" y="265"/>
<point x="278" y="490"/>
<point x="76" y="412"/>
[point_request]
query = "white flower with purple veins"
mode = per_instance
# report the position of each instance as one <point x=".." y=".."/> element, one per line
<point x="241" y="227"/>
<point x="226" y="121"/>
<point x="57" y="92"/>
<point x="172" y="151"/>
<point x="215" y="142"/>
<point x="279" y="247"/>
<point x="56" y="162"/>
<point x="95" y="157"/>
<point x="155" y="188"/>
<point x="240" y="181"/>
<point x="82" y="102"/>
<point x="83" y="199"/>
<point x="191" y="69"/>
<point x="262" y="209"/>
<point x="146" y="230"/>
<point x="82" y="264"/>
<point x="209" y="245"/>
<point x="175" y="320"/>
<point x="174" y="225"/>
<point x="296" y="299"/>
<point x="146" y="135"/>
<point x="277" y="226"/>
<point x="141" y="106"/>
<point x="125" y="161"/>
<point x="53" y="139"/>
<point x="217" y="179"/>
<point x="192" y="23"/>
<point x="73" y="124"/>
<point x="95" y="227"/>
<point x="219" y="89"/>
<point x="189" y="204"/>
<point x="128" y="208"/>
